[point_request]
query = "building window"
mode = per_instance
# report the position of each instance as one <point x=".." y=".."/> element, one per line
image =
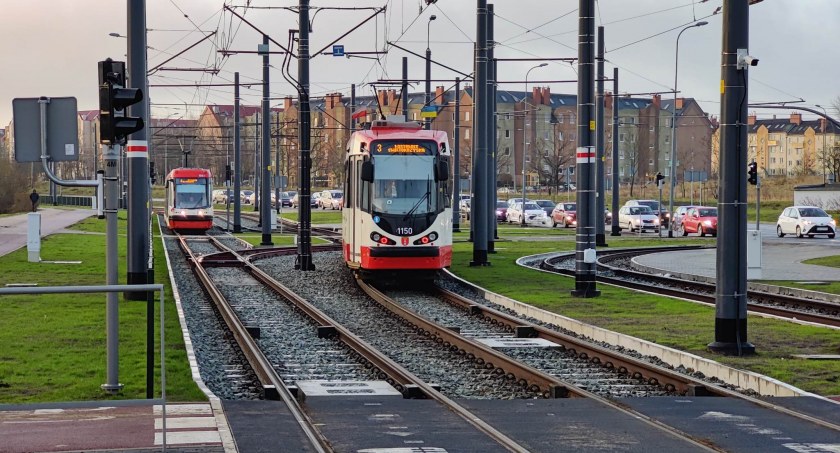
<point x="667" y="139"/>
<point x="621" y="137"/>
<point x="507" y="151"/>
<point x="559" y="136"/>
<point x="560" y="118"/>
<point x="650" y="162"/>
<point x="466" y="116"/>
<point x="507" y="133"/>
<point x="571" y="119"/>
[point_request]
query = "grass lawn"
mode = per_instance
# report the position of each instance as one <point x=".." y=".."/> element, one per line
<point x="54" y="346"/>
<point x="670" y="322"/>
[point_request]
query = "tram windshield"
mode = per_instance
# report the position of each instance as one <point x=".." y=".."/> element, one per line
<point x="404" y="181"/>
<point x="191" y="193"/>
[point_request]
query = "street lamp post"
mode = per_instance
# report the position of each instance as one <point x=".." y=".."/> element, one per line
<point x="525" y="137"/>
<point x="825" y="123"/>
<point x="674" y="132"/>
<point x="428" y="97"/>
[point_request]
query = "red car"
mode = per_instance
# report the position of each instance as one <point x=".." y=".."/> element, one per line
<point x="564" y="214"/>
<point x="501" y="211"/>
<point x="701" y="220"/>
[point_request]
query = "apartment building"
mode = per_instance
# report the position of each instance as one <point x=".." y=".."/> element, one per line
<point x="784" y="147"/>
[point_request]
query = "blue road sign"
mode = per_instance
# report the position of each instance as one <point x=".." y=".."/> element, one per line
<point x="338" y="50"/>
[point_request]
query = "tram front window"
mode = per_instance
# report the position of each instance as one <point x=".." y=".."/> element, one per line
<point x="401" y="182"/>
<point x="191" y="194"/>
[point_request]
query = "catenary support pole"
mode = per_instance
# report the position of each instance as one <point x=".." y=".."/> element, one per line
<point x="479" y="204"/>
<point x="490" y="134"/>
<point x="585" y="283"/>
<point x="600" y="143"/>
<point x="456" y="167"/>
<point x="404" y="94"/>
<point x="237" y="158"/>
<point x="304" y="249"/>
<point x="137" y="252"/>
<point x="731" y="273"/>
<point x="616" y="189"/>
<point x="265" y="191"/>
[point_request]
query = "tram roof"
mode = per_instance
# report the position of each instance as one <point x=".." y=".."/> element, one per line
<point x="189" y="173"/>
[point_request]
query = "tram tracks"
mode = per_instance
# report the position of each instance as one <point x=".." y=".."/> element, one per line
<point x="614" y="269"/>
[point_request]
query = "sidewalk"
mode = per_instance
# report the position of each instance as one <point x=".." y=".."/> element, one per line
<point x="13" y="228"/>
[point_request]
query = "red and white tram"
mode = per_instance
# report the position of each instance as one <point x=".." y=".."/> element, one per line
<point x="188" y="200"/>
<point x="397" y="211"/>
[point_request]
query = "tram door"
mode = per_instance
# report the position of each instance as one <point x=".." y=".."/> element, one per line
<point x="357" y="186"/>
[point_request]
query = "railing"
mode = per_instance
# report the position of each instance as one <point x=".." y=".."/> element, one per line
<point x="12" y="291"/>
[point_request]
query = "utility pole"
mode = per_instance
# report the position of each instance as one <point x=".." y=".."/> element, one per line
<point x="479" y="203"/>
<point x="456" y="137"/>
<point x="237" y="158"/>
<point x="304" y="256"/>
<point x="585" y="283"/>
<point x="404" y="95"/>
<point x="137" y="153"/>
<point x="600" y="240"/>
<point x="265" y="192"/>
<point x="731" y="253"/>
<point x="490" y="131"/>
<point x="616" y="229"/>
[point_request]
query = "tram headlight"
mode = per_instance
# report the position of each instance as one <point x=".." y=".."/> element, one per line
<point x="376" y="237"/>
<point x="433" y="236"/>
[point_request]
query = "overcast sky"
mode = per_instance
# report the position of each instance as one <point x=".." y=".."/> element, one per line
<point x="51" y="47"/>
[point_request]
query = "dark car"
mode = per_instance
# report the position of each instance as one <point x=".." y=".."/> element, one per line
<point x="702" y="220"/>
<point x="501" y="211"/>
<point x="547" y="206"/>
<point x="564" y="214"/>
<point x="286" y="198"/>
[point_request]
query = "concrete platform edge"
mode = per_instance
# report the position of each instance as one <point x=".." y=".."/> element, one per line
<point x="761" y="384"/>
<point x="222" y="425"/>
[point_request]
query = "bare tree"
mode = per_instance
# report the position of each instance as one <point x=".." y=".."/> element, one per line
<point x="554" y="157"/>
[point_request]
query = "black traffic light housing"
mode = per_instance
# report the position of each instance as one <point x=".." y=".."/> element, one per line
<point x="752" y="173"/>
<point x="659" y="179"/>
<point x="228" y="173"/>
<point x="152" y="172"/>
<point x="114" y="124"/>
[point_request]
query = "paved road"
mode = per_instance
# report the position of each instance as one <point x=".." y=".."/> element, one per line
<point x="13" y="228"/>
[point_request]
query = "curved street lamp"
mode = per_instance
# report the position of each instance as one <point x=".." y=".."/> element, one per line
<point x="674" y="134"/>
<point x="525" y="137"/>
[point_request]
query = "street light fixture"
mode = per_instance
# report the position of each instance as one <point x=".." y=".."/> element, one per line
<point x="672" y="169"/>
<point x="428" y="97"/>
<point x="525" y="137"/>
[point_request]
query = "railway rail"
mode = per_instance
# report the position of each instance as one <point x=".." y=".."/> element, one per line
<point x="613" y="270"/>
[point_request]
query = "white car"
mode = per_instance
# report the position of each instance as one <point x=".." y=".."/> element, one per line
<point x="805" y="220"/>
<point x="638" y="218"/>
<point x="534" y="214"/>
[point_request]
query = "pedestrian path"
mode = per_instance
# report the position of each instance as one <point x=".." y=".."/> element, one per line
<point x="13" y="228"/>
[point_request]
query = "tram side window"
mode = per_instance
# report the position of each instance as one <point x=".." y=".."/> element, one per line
<point x="191" y="196"/>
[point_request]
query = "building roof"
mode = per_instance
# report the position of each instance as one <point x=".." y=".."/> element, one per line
<point x="774" y="125"/>
<point x="88" y="115"/>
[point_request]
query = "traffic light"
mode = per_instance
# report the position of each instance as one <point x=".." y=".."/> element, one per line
<point x="752" y="172"/>
<point x="659" y="179"/>
<point x="228" y="173"/>
<point x="114" y="124"/>
<point x="152" y="172"/>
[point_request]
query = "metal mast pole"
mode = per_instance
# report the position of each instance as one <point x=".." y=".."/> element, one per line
<point x="585" y="284"/>
<point x="731" y="290"/>
<point x="137" y="252"/>
<point x="353" y="106"/>
<point x="237" y="158"/>
<point x="600" y="240"/>
<point x="404" y="96"/>
<point x="490" y="131"/>
<point x="456" y="172"/>
<point x="616" y="189"/>
<point x="479" y="204"/>
<point x="304" y="257"/>
<point x="265" y="192"/>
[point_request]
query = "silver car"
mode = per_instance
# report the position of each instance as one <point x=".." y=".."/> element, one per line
<point x="638" y="218"/>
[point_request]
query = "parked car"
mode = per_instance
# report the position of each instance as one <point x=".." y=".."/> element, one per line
<point x="464" y="207"/>
<point x="286" y="198"/>
<point x="805" y="220"/>
<point x="664" y="216"/>
<point x="246" y="196"/>
<point x="679" y="214"/>
<point x="501" y="211"/>
<point x="532" y="212"/>
<point x="638" y="218"/>
<point x="221" y="196"/>
<point x="547" y="206"/>
<point x="313" y="199"/>
<point x="701" y="220"/>
<point x="332" y="199"/>
<point x="511" y="201"/>
<point x="564" y="214"/>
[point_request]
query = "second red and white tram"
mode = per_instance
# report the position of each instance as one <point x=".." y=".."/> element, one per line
<point x="188" y="200"/>
<point x="397" y="211"/>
